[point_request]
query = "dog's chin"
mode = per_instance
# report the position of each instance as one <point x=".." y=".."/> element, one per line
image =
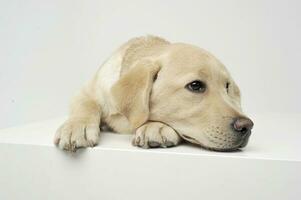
<point x="237" y="146"/>
<point x="218" y="149"/>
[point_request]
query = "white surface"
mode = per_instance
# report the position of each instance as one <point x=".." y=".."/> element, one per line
<point x="50" y="48"/>
<point x="269" y="168"/>
<point x="273" y="137"/>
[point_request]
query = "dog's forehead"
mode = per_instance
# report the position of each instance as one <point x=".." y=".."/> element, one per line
<point x="188" y="58"/>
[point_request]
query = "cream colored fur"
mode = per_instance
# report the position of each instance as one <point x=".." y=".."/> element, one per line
<point x="141" y="90"/>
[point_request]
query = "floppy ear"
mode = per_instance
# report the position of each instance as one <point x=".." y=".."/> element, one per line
<point x="131" y="92"/>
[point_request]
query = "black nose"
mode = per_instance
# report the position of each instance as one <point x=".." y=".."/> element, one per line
<point x="242" y="125"/>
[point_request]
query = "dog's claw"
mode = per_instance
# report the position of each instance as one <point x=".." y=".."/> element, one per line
<point x="169" y="144"/>
<point x="153" y="144"/>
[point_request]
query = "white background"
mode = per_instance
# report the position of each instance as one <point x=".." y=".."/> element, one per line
<point x="48" y="49"/>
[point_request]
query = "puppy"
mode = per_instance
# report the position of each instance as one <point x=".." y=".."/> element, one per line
<point x="163" y="93"/>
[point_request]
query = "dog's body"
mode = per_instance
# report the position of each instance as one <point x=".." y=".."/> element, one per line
<point x="127" y="94"/>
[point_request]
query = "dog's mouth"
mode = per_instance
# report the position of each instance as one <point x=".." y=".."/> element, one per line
<point x="190" y="139"/>
<point x="241" y="144"/>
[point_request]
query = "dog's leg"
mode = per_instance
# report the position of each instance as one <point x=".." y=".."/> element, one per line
<point x="155" y="134"/>
<point x="82" y="127"/>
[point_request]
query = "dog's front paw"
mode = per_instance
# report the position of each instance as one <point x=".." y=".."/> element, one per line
<point x="155" y="134"/>
<point x="74" y="134"/>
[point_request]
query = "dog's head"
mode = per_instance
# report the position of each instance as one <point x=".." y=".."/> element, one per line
<point x="191" y="91"/>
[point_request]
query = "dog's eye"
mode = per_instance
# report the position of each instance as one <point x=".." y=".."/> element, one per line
<point x="196" y="86"/>
<point x="227" y="86"/>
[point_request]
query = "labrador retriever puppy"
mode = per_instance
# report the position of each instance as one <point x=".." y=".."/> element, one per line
<point x="163" y="93"/>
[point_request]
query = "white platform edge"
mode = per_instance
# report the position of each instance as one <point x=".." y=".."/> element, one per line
<point x="33" y="168"/>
